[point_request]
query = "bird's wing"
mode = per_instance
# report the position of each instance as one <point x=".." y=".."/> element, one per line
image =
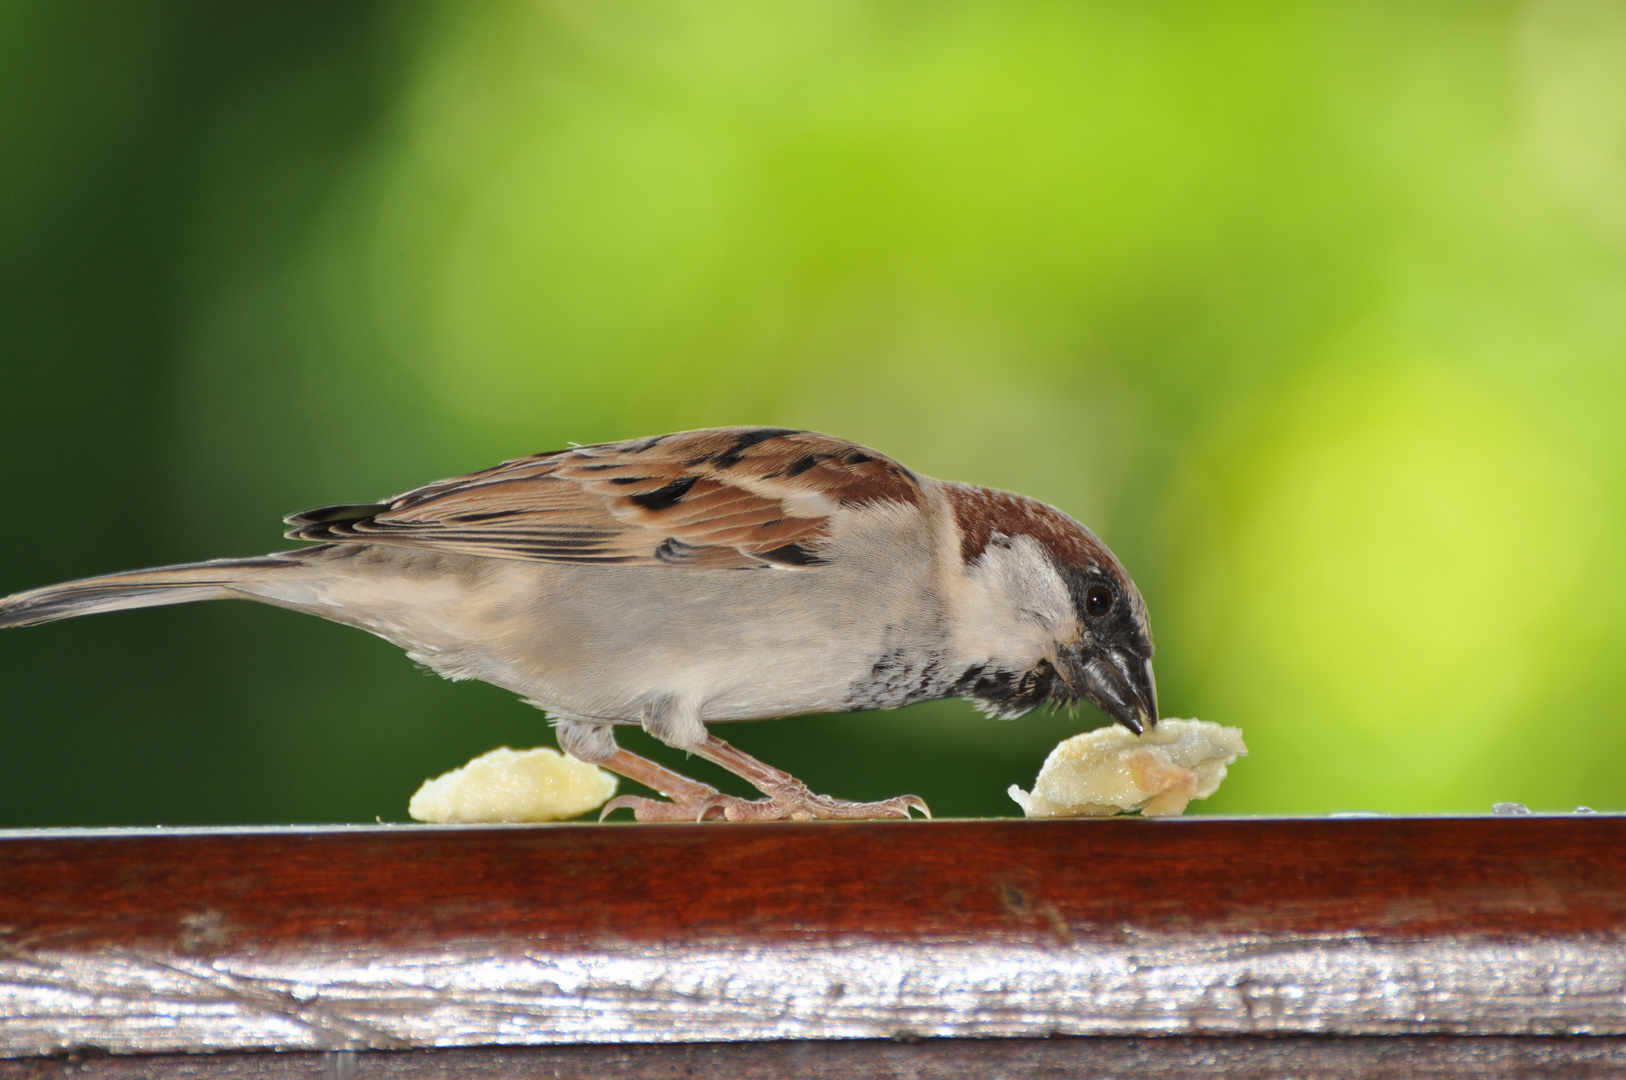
<point x="727" y="497"/>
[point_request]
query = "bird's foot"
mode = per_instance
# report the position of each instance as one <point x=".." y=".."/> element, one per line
<point x="788" y="799"/>
<point x="787" y="805"/>
<point x="803" y="805"/>
<point x="643" y="809"/>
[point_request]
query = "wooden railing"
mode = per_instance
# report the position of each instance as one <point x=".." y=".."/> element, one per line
<point x="1304" y="947"/>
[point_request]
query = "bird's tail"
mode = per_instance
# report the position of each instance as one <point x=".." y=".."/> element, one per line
<point x="139" y="589"/>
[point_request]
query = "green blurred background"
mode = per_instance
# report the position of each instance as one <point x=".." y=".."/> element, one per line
<point x="1315" y="312"/>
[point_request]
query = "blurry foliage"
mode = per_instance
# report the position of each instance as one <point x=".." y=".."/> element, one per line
<point x="1316" y="313"/>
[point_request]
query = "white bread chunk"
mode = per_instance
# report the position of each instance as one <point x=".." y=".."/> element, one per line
<point x="1111" y="770"/>
<point x="514" y="785"/>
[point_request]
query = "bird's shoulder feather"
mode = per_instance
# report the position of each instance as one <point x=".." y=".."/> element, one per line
<point x="718" y="498"/>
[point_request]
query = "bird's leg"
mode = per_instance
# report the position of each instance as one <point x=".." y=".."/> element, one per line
<point x="691" y="800"/>
<point x="788" y="797"/>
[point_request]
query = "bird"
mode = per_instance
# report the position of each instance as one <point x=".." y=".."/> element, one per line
<point x="680" y="581"/>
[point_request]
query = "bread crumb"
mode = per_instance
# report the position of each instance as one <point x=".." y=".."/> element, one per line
<point x="1111" y="770"/>
<point x="514" y="785"/>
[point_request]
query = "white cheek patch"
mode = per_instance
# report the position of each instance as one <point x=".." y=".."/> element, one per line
<point x="1019" y="568"/>
<point x="1015" y="605"/>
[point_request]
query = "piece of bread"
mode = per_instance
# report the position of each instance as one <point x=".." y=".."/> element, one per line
<point x="1113" y="771"/>
<point x="514" y="785"/>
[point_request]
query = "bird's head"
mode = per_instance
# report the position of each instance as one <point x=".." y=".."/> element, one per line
<point x="1109" y="660"/>
<point x="1070" y="600"/>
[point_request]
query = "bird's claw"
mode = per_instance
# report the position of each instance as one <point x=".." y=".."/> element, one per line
<point x="915" y="802"/>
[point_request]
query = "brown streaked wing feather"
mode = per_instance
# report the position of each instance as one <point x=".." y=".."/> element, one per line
<point x="727" y="497"/>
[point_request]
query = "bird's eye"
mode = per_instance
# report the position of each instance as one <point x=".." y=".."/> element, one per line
<point x="1097" y="602"/>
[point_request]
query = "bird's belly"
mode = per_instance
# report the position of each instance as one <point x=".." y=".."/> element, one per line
<point x="604" y="642"/>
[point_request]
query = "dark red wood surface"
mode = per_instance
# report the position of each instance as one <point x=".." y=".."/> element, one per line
<point x="410" y="887"/>
<point x="1171" y="1058"/>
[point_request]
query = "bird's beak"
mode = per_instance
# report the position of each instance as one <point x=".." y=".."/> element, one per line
<point x="1121" y="685"/>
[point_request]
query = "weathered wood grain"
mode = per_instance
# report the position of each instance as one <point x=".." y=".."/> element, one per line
<point x="413" y="937"/>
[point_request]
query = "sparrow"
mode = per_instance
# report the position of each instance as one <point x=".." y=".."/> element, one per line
<point x="685" y="580"/>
